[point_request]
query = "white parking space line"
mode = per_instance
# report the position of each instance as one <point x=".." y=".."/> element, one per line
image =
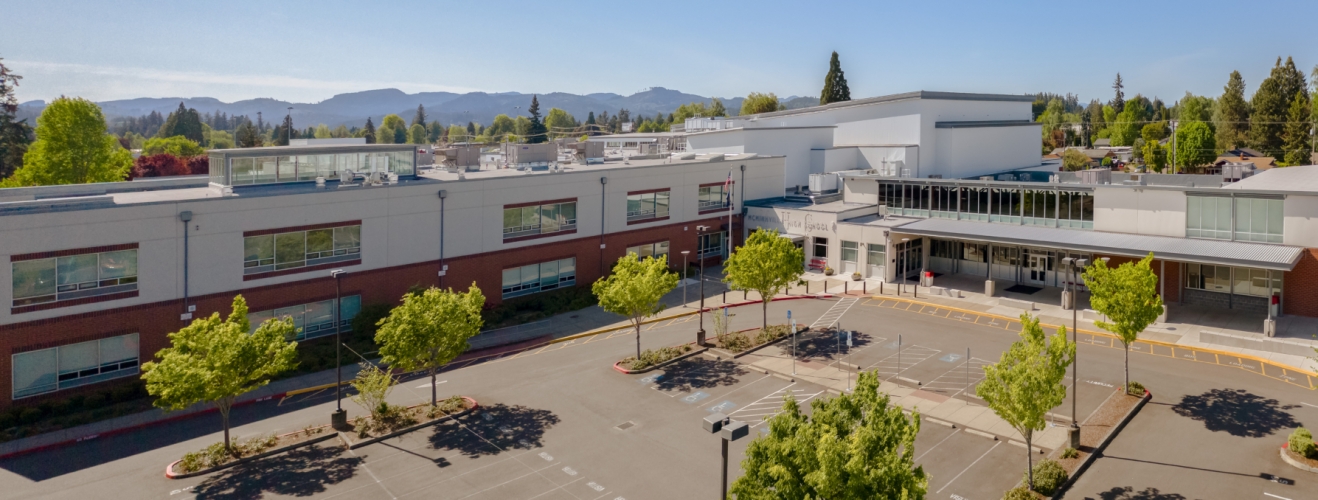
<point x="778" y="393"/>
<point x="765" y="418"/>
<point x="955" y="379"/>
<point x="427" y="384"/>
<point x="376" y="478"/>
<point x="533" y="472"/>
<point x="438" y="481"/>
<point x="972" y="464"/>
<point x="1275" y="496"/>
<point x="931" y="448"/>
<point x="910" y="356"/>
<point x="558" y="488"/>
<point x="1309" y="405"/>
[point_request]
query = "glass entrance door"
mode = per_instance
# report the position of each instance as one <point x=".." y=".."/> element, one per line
<point x="1037" y="268"/>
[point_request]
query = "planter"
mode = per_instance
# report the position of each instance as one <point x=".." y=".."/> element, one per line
<point x="169" y="469"/>
<point x="694" y="352"/>
<point x="828" y="271"/>
<point x="855" y="276"/>
<point x="726" y="354"/>
<point x="1089" y="459"/>
<point x="1297" y="461"/>
<point x="351" y="440"/>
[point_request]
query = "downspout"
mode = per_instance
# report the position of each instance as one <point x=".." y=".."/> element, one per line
<point x="443" y="269"/>
<point x="186" y="217"/>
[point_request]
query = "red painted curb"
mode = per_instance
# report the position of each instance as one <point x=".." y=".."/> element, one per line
<point x="621" y="369"/>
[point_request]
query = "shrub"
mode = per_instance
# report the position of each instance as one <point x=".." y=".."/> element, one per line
<point x="1301" y="442"/>
<point x="1019" y="493"/>
<point x="212" y="456"/>
<point x="1135" y="389"/>
<point x="1070" y="452"/>
<point x="159" y="165"/>
<point x="383" y="419"/>
<point x="448" y="406"/>
<point x="94" y="401"/>
<point x="735" y="341"/>
<point x="29" y="416"/>
<point x="653" y="357"/>
<point x="1048" y="476"/>
<point x="8" y="419"/>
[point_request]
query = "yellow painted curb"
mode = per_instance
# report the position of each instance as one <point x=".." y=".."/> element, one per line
<point x="1106" y="334"/>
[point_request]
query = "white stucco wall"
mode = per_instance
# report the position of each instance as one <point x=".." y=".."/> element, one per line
<point x="1139" y="211"/>
<point x="1300" y="225"/>
<point x="969" y="152"/>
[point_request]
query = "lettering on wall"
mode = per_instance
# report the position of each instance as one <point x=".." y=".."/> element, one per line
<point x="789" y="222"/>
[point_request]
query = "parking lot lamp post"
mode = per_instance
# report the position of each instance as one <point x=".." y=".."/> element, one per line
<point x="902" y="260"/>
<point x="700" y="334"/>
<point x="729" y="430"/>
<point x="686" y="271"/>
<point x="339" y="418"/>
<point x="1077" y="266"/>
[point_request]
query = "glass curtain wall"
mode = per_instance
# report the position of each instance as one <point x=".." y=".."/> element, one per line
<point x="303" y="168"/>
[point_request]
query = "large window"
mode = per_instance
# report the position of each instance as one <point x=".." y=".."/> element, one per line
<point x="49" y="370"/>
<point x="54" y="279"/>
<point x="712" y="197"/>
<point x="542" y="277"/>
<point x="656" y="250"/>
<point x="1075" y="209"/>
<point x="850" y="251"/>
<point x="1258" y="219"/>
<point x="1237" y="280"/>
<point x="944" y="202"/>
<point x="1208" y="217"/>
<point x="539" y="219"/>
<point x="975" y="203"/>
<point x="875" y="254"/>
<point x="647" y="206"/>
<point x="1040" y="207"/>
<point x="710" y="245"/>
<point x="1005" y="205"/>
<point x="821" y="248"/>
<point x="312" y="320"/>
<point x="294" y="249"/>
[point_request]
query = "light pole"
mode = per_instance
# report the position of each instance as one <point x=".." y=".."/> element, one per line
<point x="791" y="324"/>
<point x="903" y="261"/>
<point x="700" y="334"/>
<point x="338" y="419"/>
<point x="1075" y="339"/>
<point x="686" y="271"/>
<point x="288" y="124"/>
<point x="729" y="430"/>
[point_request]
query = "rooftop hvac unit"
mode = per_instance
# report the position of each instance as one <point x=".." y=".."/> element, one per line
<point x="820" y="183"/>
<point x="520" y="154"/>
<point x="459" y="158"/>
<point x="587" y="152"/>
<point x="1096" y="176"/>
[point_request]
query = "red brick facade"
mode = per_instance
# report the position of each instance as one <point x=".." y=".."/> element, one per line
<point x="1170" y="289"/>
<point x="153" y="322"/>
<point x="1300" y="286"/>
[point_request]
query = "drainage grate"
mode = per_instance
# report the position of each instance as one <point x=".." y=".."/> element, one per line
<point x="625" y="425"/>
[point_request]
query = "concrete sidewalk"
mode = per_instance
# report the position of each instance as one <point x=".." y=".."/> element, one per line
<point x="1192" y="327"/>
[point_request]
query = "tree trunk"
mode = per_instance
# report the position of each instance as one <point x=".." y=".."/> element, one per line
<point x="1126" y="387"/>
<point x="223" y="405"/>
<point x="1029" y="457"/>
<point x="638" y="339"/>
<point x="766" y="315"/>
<point x="433" y="399"/>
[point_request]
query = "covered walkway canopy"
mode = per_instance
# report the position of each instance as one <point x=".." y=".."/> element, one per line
<point x="1201" y="251"/>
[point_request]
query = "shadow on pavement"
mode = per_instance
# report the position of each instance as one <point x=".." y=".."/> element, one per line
<point x="301" y="472"/>
<point x="825" y="344"/>
<point x="1237" y="412"/>
<point x="1129" y="493"/>
<point x="57" y="461"/>
<point x="493" y="430"/>
<point x="700" y="373"/>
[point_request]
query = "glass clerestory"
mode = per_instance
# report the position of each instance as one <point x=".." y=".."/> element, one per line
<point x="248" y="170"/>
<point x="294" y="249"/>
<point x="1008" y="205"/>
<point x="55" y="279"/>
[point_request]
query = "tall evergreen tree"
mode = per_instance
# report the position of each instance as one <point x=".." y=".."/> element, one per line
<point x="537" y="132"/>
<point x="1297" y="131"/>
<point x="369" y="131"/>
<point x="246" y="135"/>
<point x="471" y="129"/>
<point x="285" y="131"/>
<point x="1232" y="114"/>
<point x="185" y="122"/>
<point x="420" y="118"/>
<point x="1269" y="108"/>
<point x="1119" y="101"/>
<point x="14" y="135"/>
<point x="835" y="83"/>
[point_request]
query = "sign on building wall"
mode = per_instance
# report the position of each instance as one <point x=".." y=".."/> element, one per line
<point x="789" y="221"/>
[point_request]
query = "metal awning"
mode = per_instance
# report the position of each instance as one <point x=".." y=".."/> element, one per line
<point x="1202" y="251"/>
<point x="794" y="238"/>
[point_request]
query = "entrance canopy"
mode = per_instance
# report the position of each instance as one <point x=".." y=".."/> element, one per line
<point x="1220" y="252"/>
<point x="794" y="238"/>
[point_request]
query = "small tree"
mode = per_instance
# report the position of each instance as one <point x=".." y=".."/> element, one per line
<point x="1127" y="296"/>
<point x="853" y="446"/>
<point x="634" y="289"/>
<point x="1027" y="382"/>
<point x="429" y="329"/>
<point x="216" y="361"/>
<point x="767" y="264"/>
<point x="756" y="103"/>
<point x="373" y="385"/>
<point x="1073" y="160"/>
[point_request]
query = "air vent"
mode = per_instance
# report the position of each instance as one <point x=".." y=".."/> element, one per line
<point x="625" y="425"/>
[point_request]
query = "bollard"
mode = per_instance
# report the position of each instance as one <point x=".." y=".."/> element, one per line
<point x="864" y="288"/>
<point x="844" y="287"/>
<point x="725" y="296"/>
<point x="744" y="295"/>
<point x="880" y="288"/>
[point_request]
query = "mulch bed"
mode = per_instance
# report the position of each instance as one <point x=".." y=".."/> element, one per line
<point x="418" y="416"/>
<point x="280" y="442"/>
<point x="1300" y="458"/>
<point x="1097" y="427"/>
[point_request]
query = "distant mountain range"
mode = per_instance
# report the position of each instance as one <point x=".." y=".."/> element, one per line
<point x="352" y="109"/>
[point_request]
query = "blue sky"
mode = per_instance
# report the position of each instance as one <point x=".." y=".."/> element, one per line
<point x="309" y="51"/>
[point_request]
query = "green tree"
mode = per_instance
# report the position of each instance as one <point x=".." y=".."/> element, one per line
<point x="1073" y="160"/>
<point x="322" y="132"/>
<point x="1231" y="115"/>
<point x="416" y="134"/>
<point x="15" y="135"/>
<point x="246" y="135"/>
<point x="1129" y="122"/>
<point x="760" y="103"/>
<point x="1026" y="382"/>
<point x="393" y="122"/>
<point x="457" y="133"/>
<point x="340" y="132"/>
<point x="634" y="289"/>
<point x="215" y="361"/>
<point x="1119" y="100"/>
<point x="716" y="109"/>
<point x="384" y="135"/>
<point x="855" y="446"/>
<point x="1195" y="144"/>
<point x="767" y="264"/>
<point x="185" y="122"/>
<point x="1297" y="131"/>
<point x="559" y="122"/>
<point x="178" y="145"/>
<point x="690" y="110"/>
<point x="1155" y="156"/>
<point x="1154" y="132"/>
<point x="1127" y="296"/>
<point x="429" y="329"/>
<point x="72" y="147"/>
<point x="835" y="84"/>
<point x="536" y="132"/>
<point x="400" y="136"/>
<point x="433" y="132"/>
<point x="1271" y="105"/>
<point x="219" y="139"/>
<point x="1195" y="108"/>
<point x="420" y="117"/>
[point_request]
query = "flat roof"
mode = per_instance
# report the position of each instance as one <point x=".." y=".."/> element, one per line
<point x="832" y="207"/>
<point x="919" y="94"/>
<point x="313" y="149"/>
<point x="1219" y="252"/>
<point x="611" y="164"/>
<point x="1301" y="178"/>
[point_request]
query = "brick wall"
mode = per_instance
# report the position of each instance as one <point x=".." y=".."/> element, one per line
<point x="1300" y="286"/>
<point x="153" y="322"/>
<point x="1171" y="289"/>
